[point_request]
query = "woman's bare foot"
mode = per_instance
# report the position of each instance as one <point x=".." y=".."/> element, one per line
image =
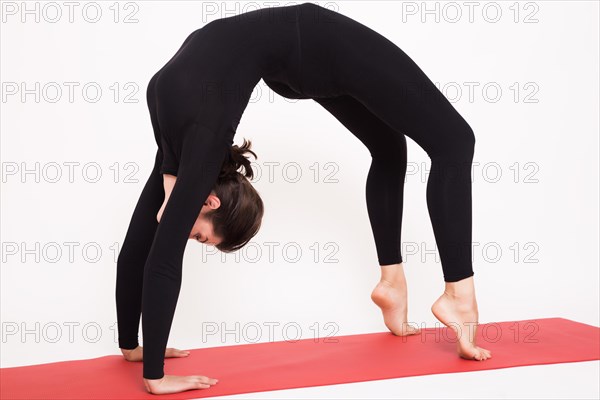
<point x="457" y="309"/>
<point x="137" y="354"/>
<point x="175" y="384"/>
<point x="390" y="295"/>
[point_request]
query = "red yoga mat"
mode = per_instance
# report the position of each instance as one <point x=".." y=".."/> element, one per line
<point x="311" y="362"/>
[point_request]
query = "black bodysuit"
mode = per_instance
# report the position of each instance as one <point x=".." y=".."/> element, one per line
<point x="304" y="51"/>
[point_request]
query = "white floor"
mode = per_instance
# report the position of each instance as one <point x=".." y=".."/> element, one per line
<point x="555" y="381"/>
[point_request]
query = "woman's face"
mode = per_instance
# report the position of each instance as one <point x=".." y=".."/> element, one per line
<point x="202" y="231"/>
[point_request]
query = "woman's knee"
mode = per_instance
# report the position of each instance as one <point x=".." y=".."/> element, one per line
<point x="467" y="140"/>
<point x="388" y="148"/>
<point x="458" y="144"/>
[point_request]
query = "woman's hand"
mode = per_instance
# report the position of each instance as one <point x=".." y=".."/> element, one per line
<point x="175" y="384"/>
<point x="137" y="354"/>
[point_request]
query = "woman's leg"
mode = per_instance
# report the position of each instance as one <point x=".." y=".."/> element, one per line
<point x="391" y="85"/>
<point x="400" y="94"/>
<point x="384" y="197"/>
<point x="385" y="181"/>
<point x="363" y="64"/>
<point x="343" y="56"/>
<point x="457" y="307"/>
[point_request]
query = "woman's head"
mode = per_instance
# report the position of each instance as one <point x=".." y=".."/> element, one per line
<point x="235" y="209"/>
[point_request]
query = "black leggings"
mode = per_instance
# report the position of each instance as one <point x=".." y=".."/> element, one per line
<point x="365" y="81"/>
<point x="380" y="95"/>
<point x="448" y="185"/>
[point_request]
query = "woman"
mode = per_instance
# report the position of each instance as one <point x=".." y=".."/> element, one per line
<point x="196" y="102"/>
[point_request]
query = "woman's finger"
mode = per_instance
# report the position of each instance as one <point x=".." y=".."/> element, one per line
<point x="206" y="380"/>
<point x="172" y="352"/>
<point x="210" y="381"/>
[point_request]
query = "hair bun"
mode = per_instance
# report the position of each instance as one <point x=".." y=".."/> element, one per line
<point x="238" y="159"/>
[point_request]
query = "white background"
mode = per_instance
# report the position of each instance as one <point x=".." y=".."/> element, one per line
<point x="535" y="226"/>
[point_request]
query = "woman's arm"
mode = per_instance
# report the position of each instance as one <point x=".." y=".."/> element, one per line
<point x="202" y="156"/>
<point x="133" y="255"/>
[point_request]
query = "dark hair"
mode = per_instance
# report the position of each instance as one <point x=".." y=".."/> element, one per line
<point x="239" y="216"/>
